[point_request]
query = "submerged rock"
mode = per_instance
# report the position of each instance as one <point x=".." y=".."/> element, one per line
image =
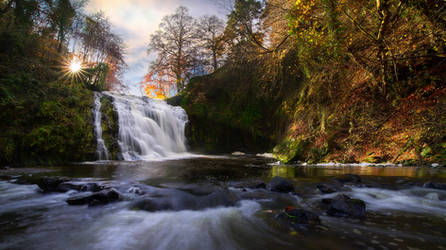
<point x="281" y="185"/>
<point x="183" y="201"/>
<point x="152" y="205"/>
<point x="349" y="178"/>
<point x="79" y="186"/>
<point x="99" y="198"/>
<point x="296" y="219"/>
<point x="433" y="185"/>
<point x="344" y="206"/>
<point x="327" y="188"/>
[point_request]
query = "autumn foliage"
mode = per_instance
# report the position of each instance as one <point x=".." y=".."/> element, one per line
<point x="158" y="86"/>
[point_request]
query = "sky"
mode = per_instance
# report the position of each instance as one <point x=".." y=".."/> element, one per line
<point x="136" y="20"/>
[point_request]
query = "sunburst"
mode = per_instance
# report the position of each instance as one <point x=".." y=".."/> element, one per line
<point x="73" y="68"/>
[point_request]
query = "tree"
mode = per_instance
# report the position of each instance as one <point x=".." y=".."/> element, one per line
<point x="244" y="24"/>
<point x="100" y="46"/>
<point x="174" y="44"/>
<point x="62" y="16"/>
<point x="210" y="33"/>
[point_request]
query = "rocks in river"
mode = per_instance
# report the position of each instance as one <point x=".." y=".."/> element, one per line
<point x="99" y="198"/>
<point x="327" y="188"/>
<point x="79" y="186"/>
<point x="49" y="185"/>
<point x="299" y="216"/>
<point x="349" y="178"/>
<point x="433" y="185"/>
<point x="62" y="185"/>
<point x="296" y="219"/>
<point x="281" y="185"/>
<point x="183" y="201"/>
<point x="344" y="206"/>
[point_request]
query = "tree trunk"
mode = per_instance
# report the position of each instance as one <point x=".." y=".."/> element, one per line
<point x="383" y="14"/>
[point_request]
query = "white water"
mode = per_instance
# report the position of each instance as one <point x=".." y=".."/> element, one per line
<point x="416" y="199"/>
<point x="149" y="129"/>
<point x="101" y="149"/>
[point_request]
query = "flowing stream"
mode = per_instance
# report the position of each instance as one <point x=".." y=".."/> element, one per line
<point x="211" y="203"/>
<point x="101" y="149"/>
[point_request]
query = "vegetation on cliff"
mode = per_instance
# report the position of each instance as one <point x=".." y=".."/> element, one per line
<point x="354" y="81"/>
<point x="46" y="97"/>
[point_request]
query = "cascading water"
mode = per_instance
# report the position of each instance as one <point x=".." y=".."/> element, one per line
<point x="149" y="129"/>
<point x="101" y="149"/>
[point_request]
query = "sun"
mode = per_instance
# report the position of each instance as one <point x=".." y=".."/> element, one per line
<point x="75" y="66"/>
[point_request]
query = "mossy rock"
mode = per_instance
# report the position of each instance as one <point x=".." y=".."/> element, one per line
<point x="110" y="127"/>
<point x="291" y="150"/>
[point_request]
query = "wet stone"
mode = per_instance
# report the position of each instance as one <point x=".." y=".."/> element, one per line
<point x="79" y="186"/>
<point x="49" y="185"/>
<point x="344" y="206"/>
<point x="298" y="219"/>
<point x="433" y="185"/>
<point x="99" y="198"/>
<point x="281" y="185"/>
<point x="327" y="188"/>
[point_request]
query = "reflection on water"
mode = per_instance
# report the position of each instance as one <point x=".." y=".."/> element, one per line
<point x="289" y="171"/>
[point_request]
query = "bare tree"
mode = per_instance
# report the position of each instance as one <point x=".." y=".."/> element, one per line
<point x="174" y="44"/>
<point x="210" y="34"/>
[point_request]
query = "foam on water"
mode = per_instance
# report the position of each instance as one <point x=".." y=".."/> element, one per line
<point x="205" y="229"/>
<point x="416" y="200"/>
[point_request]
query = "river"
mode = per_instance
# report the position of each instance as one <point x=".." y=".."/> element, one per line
<point x="209" y="202"/>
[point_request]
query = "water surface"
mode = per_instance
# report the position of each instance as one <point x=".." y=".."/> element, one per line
<point x="401" y="214"/>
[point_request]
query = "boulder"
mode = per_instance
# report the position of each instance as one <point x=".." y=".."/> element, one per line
<point x="297" y="220"/>
<point x="281" y="185"/>
<point x="49" y="185"/>
<point x="299" y="216"/>
<point x="344" y="206"/>
<point x="99" y="198"/>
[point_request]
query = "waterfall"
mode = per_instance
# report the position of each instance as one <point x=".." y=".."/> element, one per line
<point x="149" y="129"/>
<point x="101" y="149"/>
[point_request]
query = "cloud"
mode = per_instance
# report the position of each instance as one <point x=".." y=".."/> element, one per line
<point x="135" y="20"/>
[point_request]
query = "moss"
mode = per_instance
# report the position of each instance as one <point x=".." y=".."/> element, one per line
<point x="110" y="127"/>
<point x="291" y="150"/>
<point x="47" y="124"/>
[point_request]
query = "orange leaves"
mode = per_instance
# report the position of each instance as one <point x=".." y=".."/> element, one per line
<point x="158" y="85"/>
